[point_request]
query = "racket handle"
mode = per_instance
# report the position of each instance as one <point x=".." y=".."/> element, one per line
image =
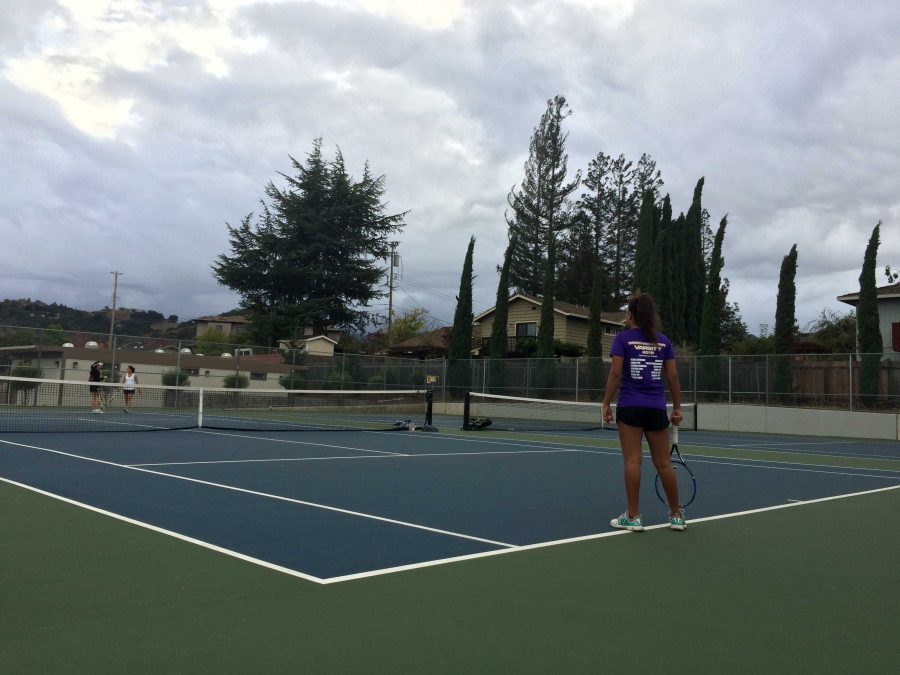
<point x="675" y="434"/>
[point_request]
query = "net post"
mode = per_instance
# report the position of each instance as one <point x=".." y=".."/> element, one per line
<point x="467" y="410"/>
<point x="200" y="410"/>
<point x="429" y="407"/>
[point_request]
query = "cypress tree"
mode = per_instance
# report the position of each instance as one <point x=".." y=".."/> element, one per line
<point x="595" y="336"/>
<point x="710" y="346"/>
<point x="785" y="323"/>
<point x="646" y="236"/>
<point x="694" y="267"/>
<point x="545" y="330"/>
<point x="460" y="351"/>
<point x="498" y="345"/>
<point x="868" y="331"/>
<point x="674" y="307"/>
<point x="657" y="283"/>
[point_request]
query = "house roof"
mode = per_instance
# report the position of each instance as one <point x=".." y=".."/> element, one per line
<point x="439" y="338"/>
<point x="321" y="337"/>
<point x="236" y="318"/>
<point x="883" y="292"/>
<point x="564" y="308"/>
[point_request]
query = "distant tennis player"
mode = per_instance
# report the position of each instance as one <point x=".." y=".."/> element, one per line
<point x="95" y="376"/>
<point x="129" y="386"/>
<point x="641" y="357"/>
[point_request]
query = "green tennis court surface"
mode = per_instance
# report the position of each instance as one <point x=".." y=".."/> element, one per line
<point x="449" y="552"/>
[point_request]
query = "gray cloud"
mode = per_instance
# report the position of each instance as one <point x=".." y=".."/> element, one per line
<point x="786" y="109"/>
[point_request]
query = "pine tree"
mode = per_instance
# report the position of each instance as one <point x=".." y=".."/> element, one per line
<point x="538" y="208"/>
<point x="621" y="233"/>
<point x="871" y="344"/>
<point x="315" y="254"/>
<point x="785" y="323"/>
<point x="710" y="345"/>
<point x="499" y="338"/>
<point x="459" y="353"/>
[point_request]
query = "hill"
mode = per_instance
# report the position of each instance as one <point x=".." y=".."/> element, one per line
<point x="27" y="313"/>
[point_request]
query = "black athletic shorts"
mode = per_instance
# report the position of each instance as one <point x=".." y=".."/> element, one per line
<point x="648" y="419"/>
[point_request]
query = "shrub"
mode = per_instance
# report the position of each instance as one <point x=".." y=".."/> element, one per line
<point x="176" y="378"/>
<point x="236" y="382"/>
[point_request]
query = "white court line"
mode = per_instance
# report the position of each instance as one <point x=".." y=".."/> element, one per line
<point x="559" y="542"/>
<point x="170" y="533"/>
<point x="325" y="459"/>
<point x="293" y="442"/>
<point x="401" y="568"/>
<point x="266" y="495"/>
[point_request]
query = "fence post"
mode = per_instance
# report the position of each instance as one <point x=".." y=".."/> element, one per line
<point x="729" y="379"/>
<point x="577" y="366"/>
<point x="767" y="380"/>
<point x="850" y="383"/>
<point x="484" y="372"/>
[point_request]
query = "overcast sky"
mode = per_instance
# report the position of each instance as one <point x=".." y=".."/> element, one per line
<point x="133" y="131"/>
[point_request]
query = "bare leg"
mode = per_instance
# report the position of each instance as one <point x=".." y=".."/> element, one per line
<point x="662" y="460"/>
<point x="630" y="440"/>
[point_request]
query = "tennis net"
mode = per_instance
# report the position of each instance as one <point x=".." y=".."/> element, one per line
<point x="36" y="405"/>
<point x="513" y="413"/>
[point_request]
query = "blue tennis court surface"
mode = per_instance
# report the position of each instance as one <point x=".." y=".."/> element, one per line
<point x="331" y="505"/>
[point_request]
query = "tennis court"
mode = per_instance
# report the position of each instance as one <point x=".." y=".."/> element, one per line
<point x="476" y="534"/>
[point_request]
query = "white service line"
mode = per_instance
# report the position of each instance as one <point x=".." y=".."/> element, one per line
<point x="256" y="493"/>
<point x="170" y="533"/>
<point x="545" y="544"/>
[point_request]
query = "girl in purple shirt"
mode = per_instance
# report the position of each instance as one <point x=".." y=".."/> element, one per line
<point x="641" y="358"/>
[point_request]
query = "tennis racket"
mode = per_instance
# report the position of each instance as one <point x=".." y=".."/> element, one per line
<point x="107" y="396"/>
<point x="687" y="484"/>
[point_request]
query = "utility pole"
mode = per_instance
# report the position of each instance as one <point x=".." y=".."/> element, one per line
<point x="112" y="318"/>
<point x="394" y="259"/>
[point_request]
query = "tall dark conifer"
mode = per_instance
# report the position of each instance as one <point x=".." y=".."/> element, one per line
<point x="538" y="208"/>
<point x="785" y="323"/>
<point x="459" y="353"/>
<point x="646" y="236"/>
<point x="710" y="346"/>
<point x="595" y="335"/>
<point x="546" y="365"/>
<point x="499" y="337"/>
<point x="657" y="283"/>
<point x="693" y="264"/>
<point x="871" y="344"/>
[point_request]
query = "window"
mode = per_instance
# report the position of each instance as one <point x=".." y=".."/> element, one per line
<point x="526" y="329"/>
<point x="74" y="365"/>
<point x="191" y="371"/>
<point x="895" y="336"/>
<point x="259" y="376"/>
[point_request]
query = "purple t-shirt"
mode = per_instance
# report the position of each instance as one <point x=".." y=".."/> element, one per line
<point x="642" y="373"/>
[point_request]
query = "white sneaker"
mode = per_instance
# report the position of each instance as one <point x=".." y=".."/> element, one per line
<point x="623" y="522"/>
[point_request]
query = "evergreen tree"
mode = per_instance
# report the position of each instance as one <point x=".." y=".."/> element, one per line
<point x="459" y="353"/>
<point x="673" y="307"/>
<point x="785" y="323"/>
<point x="657" y="283"/>
<point x="693" y="265"/>
<point x="710" y="346"/>
<point x="621" y="234"/>
<point x="314" y="255"/>
<point x="582" y="242"/>
<point x="870" y="341"/>
<point x="646" y="236"/>
<point x="538" y="208"/>
<point x="546" y="365"/>
<point x="499" y="338"/>
<point x="595" y="335"/>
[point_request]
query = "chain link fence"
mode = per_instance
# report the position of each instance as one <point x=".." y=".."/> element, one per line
<point x="828" y="381"/>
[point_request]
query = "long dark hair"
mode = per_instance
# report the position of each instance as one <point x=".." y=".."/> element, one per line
<point x="643" y="312"/>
